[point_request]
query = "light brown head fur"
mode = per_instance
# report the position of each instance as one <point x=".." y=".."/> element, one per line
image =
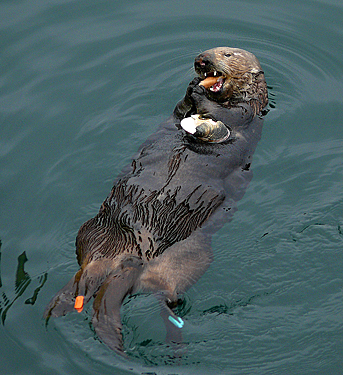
<point x="240" y="77"/>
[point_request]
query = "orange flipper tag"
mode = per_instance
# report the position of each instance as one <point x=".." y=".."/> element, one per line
<point x="79" y="303"/>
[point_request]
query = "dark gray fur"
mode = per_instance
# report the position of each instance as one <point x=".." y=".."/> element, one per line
<point x="153" y="232"/>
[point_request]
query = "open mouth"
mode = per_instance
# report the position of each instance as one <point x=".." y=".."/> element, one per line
<point x="213" y="81"/>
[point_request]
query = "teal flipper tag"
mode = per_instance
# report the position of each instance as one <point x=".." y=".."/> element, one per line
<point x="177" y="322"/>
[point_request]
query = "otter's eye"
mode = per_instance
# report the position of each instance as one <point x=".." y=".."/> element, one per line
<point x="227" y="54"/>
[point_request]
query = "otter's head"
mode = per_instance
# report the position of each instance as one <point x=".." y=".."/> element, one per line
<point x="232" y="75"/>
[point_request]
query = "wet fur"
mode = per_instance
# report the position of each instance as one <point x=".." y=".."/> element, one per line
<point x="153" y="232"/>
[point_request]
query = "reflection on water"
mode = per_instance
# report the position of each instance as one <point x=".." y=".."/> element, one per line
<point x="22" y="281"/>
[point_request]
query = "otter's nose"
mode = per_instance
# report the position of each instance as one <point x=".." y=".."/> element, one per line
<point x="202" y="61"/>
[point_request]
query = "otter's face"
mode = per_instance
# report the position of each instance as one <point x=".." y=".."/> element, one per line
<point x="232" y="72"/>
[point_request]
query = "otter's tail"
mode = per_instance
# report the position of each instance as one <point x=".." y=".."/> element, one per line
<point x="109" y="291"/>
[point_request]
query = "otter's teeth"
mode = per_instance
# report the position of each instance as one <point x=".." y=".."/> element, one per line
<point x="217" y="85"/>
<point x="205" y="74"/>
<point x="215" y="73"/>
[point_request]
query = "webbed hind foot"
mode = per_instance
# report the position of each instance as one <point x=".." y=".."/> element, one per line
<point x="106" y="307"/>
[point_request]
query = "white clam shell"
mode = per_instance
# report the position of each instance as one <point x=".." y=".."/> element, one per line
<point x="208" y="129"/>
<point x="189" y="124"/>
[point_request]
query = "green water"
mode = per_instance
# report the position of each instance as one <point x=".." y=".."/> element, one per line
<point x="82" y="85"/>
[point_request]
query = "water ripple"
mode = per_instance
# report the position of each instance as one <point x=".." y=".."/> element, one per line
<point x="83" y="85"/>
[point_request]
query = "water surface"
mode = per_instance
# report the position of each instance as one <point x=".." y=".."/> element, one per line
<point x="82" y="85"/>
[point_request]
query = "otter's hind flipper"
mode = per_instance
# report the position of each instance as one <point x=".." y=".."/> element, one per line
<point x="63" y="302"/>
<point x="85" y="282"/>
<point x="106" y="315"/>
<point x="172" y="322"/>
<point x="106" y="307"/>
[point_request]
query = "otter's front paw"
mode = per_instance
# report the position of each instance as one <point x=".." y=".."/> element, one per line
<point x="186" y="106"/>
<point x="194" y="83"/>
<point x="190" y="89"/>
<point x="201" y="102"/>
<point x="199" y="90"/>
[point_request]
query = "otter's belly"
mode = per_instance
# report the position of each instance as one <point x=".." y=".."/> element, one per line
<point x="173" y="188"/>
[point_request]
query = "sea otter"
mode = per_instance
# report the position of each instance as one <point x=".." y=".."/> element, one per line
<point x="153" y="232"/>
